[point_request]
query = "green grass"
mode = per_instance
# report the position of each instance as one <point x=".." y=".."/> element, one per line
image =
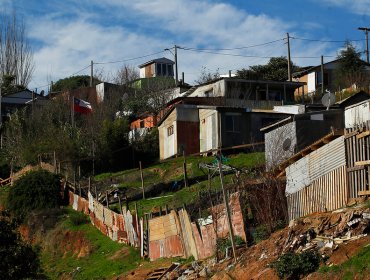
<point x="356" y="267"/>
<point x="106" y="260"/>
<point x="172" y="170"/>
<point x="4" y="192"/>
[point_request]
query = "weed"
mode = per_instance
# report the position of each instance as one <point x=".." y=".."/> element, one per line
<point x="292" y="266"/>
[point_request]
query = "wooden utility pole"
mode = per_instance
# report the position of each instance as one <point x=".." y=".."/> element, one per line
<point x="142" y="179"/>
<point x="289" y="69"/>
<point x="227" y="208"/>
<point x="185" y="173"/>
<point x="366" y="29"/>
<point x="322" y="75"/>
<point x="91" y="73"/>
<point x="176" y="67"/>
<point x="89" y="190"/>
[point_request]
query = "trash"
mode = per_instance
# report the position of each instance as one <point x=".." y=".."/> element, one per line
<point x="355" y="221"/>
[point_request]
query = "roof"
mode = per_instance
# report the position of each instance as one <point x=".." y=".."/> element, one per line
<point x="270" y="82"/>
<point x="278" y="123"/>
<point x="353" y="99"/>
<point x="157" y="60"/>
<point x="309" y="69"/>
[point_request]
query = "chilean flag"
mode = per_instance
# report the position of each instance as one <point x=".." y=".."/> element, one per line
<point x="81" y="106"/>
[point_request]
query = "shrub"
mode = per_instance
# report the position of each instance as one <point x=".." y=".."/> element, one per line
<point x="18" y="259"/>
<point x="78" y="218"/>
<point x="223" y="243"/>
<point x="292" y="266"/>
<point x="35" y="190"/>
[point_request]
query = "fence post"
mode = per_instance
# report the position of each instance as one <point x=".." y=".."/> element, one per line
<point x="106" y="197"/>
<point x="184" y="167"/>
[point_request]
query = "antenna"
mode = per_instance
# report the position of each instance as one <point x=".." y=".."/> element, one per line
<point x="328" y="99"/>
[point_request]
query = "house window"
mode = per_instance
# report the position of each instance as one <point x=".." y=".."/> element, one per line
<point x="142" y="124"/>
<point x="232" y="123"/>
<point x="170" y="130"/>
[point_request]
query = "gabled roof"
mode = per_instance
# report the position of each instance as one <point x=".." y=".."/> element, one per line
<point x="309" y="69"/>
<point x="157" y="60"/>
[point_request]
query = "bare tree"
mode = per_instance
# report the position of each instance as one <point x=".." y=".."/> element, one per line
<point x="126" y="74"/>
<point x="206" y="76"/>
<point x="16" y="57"/>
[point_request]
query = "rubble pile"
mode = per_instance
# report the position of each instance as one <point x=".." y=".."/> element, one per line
<point x="326" y="232"/>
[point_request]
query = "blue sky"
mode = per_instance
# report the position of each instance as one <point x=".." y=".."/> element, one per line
<point x="67" y="34"/>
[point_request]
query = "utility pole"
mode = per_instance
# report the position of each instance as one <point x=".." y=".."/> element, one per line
<point x="366" y="29"/>
<point x="91" y="73"/>
<point x="322" y="75"/>
<point x="226" y="202"/>
<point x="176" y="68"/>
<point x="1" y="118"/>
<point x="289" y="70"/>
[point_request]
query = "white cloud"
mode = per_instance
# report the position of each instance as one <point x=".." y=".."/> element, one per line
<point x="113" y="30"/>
<point x="360" y="7"/>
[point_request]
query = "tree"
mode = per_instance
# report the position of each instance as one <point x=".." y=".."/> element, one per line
<point x="351" y="69"/>
<point x="74" y="82"/>
<point x="275" y="70"/>
<point x="126" y="74"/>
<point x="18" y="259"/>
<point x="206" y="76"/>
<point x="35" y="190"/>
<point x="16" y="56"/>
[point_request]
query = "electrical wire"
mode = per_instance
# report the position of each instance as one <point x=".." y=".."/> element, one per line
<point x="230" y="49"/>
<point x="129" y="59"/>
<point x="327" y="41"/>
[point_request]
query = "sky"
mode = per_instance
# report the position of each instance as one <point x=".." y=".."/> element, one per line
<point x="66" y="35"/>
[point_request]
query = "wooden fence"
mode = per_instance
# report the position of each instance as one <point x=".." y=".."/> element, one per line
<point x="357" y="141"/>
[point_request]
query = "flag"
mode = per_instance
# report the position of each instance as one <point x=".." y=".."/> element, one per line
<point x="81" y="106"/>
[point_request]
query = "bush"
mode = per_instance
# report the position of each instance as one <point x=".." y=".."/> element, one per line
<point x="223" y="243"/>
<point x="35" y="190"/>
<point x="18" y="259"/>
<point x="292" y="266"/>
<point x="78" y="218"/>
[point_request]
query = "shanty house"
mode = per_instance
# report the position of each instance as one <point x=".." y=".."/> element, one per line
<point x="286" y="137"/>
<point x="250" y="94"/>
<point x="179" y="131"/>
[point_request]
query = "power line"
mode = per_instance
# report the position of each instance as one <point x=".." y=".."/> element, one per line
<point x="326" y="41"/>
<point x="230" y="49"/>
<point x="129" y="59"/>
<point x="254" y="56"/>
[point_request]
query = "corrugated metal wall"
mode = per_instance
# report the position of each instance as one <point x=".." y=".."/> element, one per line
<point x="318" y="163"/>
<point x="297" y="176"/>
<point x="327" y="158"/>
<point x="357" y="115"/>
<point x="358" y="149"/>
<point x="326" y="193"/>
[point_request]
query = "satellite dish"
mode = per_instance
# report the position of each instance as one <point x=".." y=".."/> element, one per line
<point x="328" y="99"/>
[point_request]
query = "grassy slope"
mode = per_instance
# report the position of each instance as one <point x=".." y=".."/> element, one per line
<point x="358" y="266"/>
<point x="106" y="260"/>
<point x="171" y="171"/>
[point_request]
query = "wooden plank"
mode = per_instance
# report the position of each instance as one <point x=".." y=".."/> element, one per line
<point x="362" y="163"/>
<point x="350" y="134"/>
<point x="355" y="168"/>
<point x="360" y="193"/>
<point x="363" y="134"/>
